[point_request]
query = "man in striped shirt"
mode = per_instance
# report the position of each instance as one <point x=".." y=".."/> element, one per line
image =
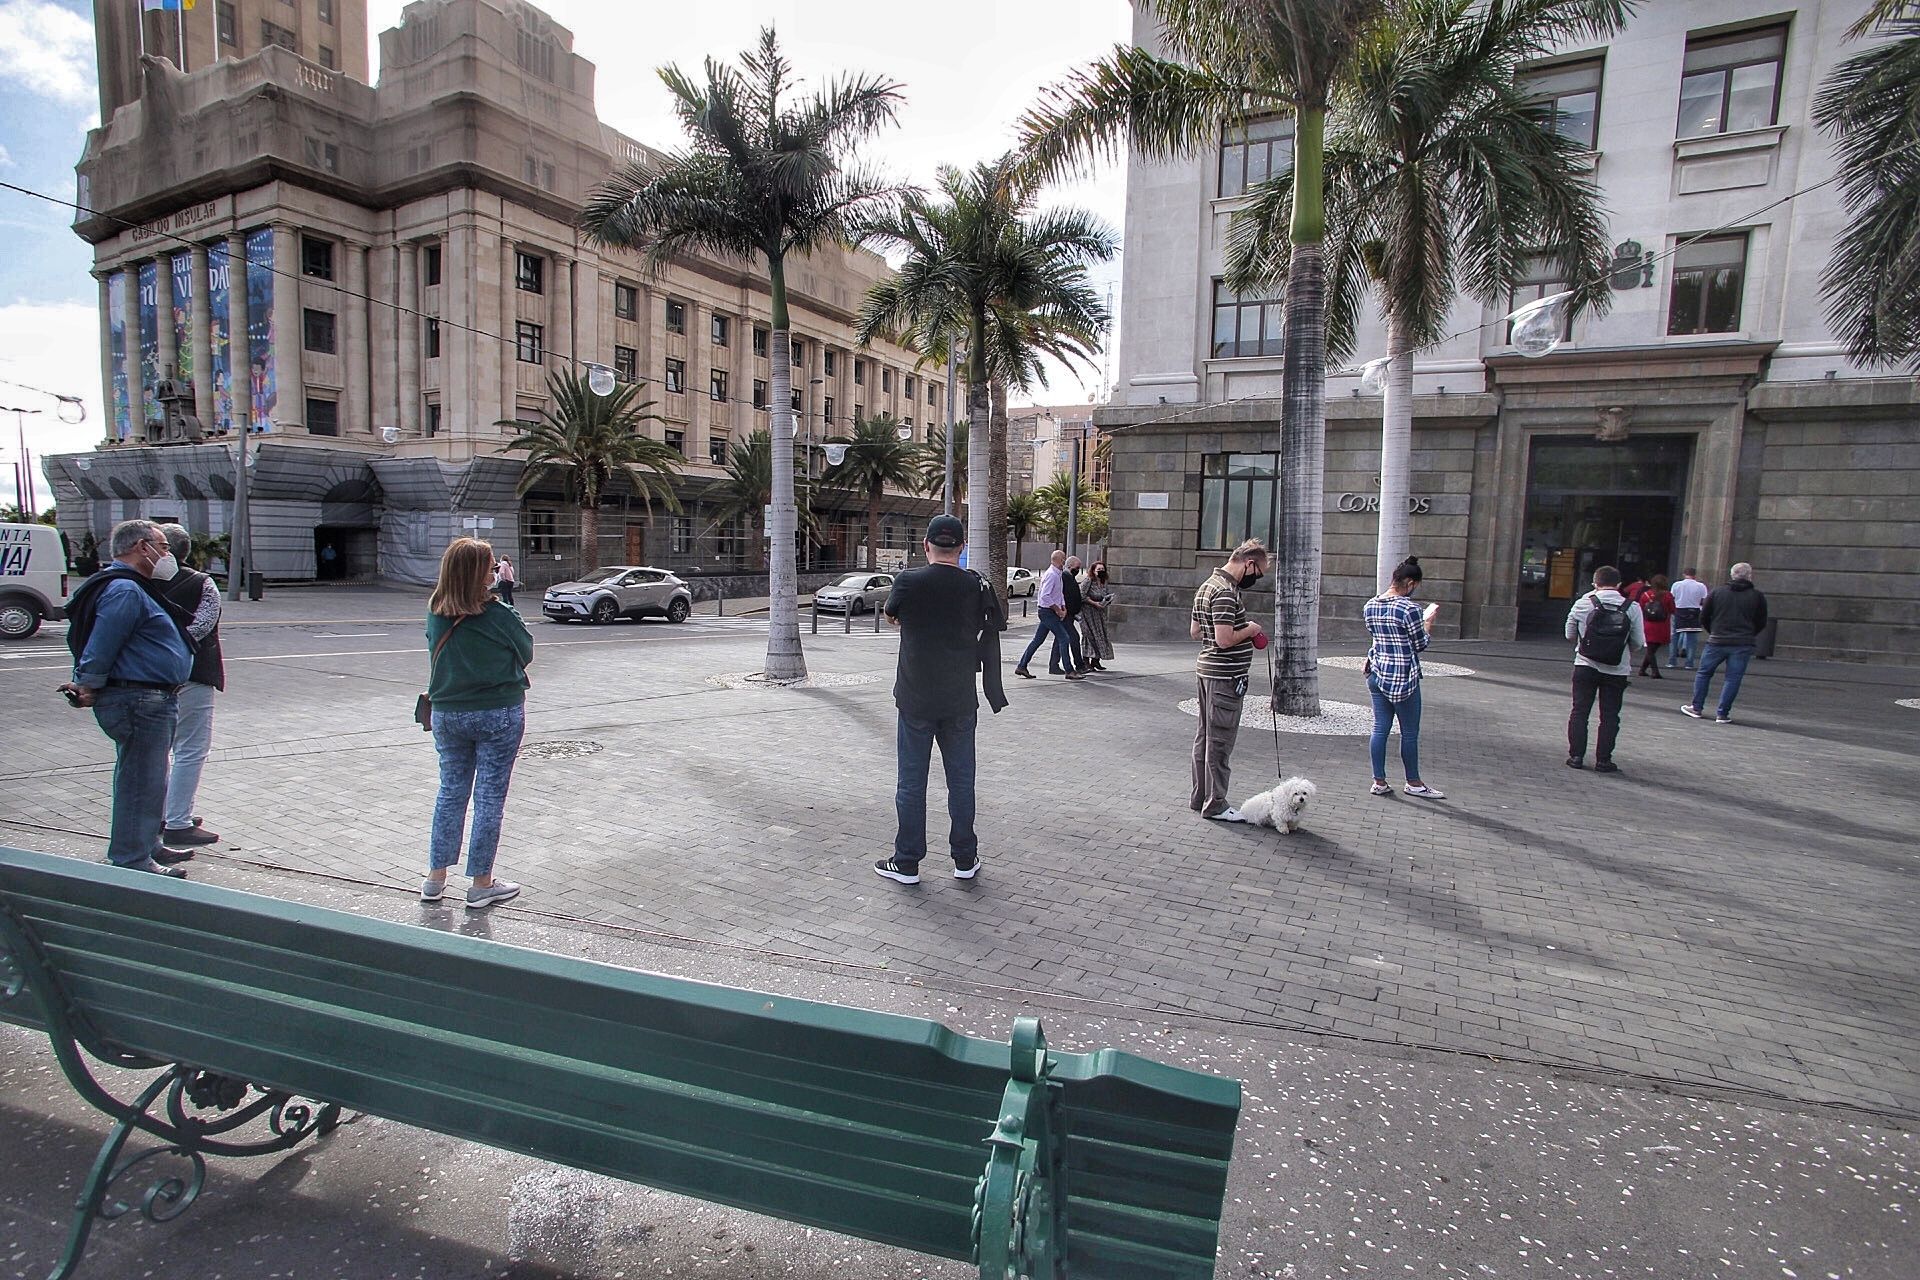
<point x="1227" y="642"/>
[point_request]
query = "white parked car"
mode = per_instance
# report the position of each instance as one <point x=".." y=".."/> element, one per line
<point x="1021" y="582"/>
<point x="621" y="591"/>
<point x="857" y="592"/>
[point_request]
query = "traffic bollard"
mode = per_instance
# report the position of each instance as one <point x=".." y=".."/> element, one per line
<point x="815" y="606"/>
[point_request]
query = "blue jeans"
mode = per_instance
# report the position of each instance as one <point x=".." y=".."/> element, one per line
<point x="1736" y="656"/>
<point x="477" y="751"/>
<point x="1052" y="626"/>
<point x="1686" y="647"/>
<point x="192" y="741"/>
<point x="913" y="749"/>
<point x="140" y="722"/>
<point x="1384" y="711"/>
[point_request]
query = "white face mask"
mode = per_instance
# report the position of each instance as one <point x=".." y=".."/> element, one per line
<point x="165" y="568"/>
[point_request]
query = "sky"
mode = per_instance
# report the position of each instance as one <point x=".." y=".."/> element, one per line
<point x="968" y="74"/>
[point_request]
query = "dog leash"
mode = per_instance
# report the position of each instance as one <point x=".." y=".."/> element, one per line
<point x="1273" y="714"/>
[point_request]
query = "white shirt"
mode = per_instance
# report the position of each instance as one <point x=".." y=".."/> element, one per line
<point x="1689" y="593"/>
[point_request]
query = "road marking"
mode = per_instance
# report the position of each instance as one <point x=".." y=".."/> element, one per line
<point x="348" y="635"/>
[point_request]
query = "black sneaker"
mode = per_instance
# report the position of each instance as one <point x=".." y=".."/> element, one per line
<point x="1025" y="674"/>
<point x="1605" y="766"/>
<point x="964" y="870"/>
<point x="189" y="835"/>
<point x="902" y="872"/>
<point x="1576" y="762"/>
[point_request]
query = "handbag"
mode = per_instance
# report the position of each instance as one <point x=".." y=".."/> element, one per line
<point x="423" y="705"/>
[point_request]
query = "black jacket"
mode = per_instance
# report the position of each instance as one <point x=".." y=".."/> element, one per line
<point x="1734" y="614"/>
<point x="181" y="596"/>
<point x="993" y="622"/>
<point x="1070" y="590"/>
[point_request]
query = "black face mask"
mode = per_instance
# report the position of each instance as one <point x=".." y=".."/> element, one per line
<point x="1249" y="578"/>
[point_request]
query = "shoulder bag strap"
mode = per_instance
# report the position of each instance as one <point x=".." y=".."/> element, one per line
<point x="434" y="658"/>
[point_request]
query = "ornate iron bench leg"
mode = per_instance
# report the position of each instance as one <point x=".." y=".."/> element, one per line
<point x="1020" y="1202"/>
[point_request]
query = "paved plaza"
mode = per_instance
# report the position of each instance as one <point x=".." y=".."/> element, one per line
<point x="1712" y="951"/>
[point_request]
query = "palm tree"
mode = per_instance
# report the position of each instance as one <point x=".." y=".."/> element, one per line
<point x="983" y="267"/>
<point x="934" y="479"/>
<point x="588" y="443"/>
<point x="1440" y="177"/>
<point x="748" y="489"/>
<point x="1869" y="107"/>
<point x="1023" y="516"/>
<point x="764" y="176"/>
<point x="876" y="460"/>
<point x="1232" y="59"/>
<point x="1051" y="502"/>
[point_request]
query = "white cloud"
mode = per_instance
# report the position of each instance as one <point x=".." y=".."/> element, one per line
<point x="54" y="346"/>
<point x="6" y="159"/>
<point x="48" y="50"/>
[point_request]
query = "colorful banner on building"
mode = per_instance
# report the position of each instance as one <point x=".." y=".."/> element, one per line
<point x="183" y="317"/>
<point x="260" y="334"/>
<point x="117" y="355"/>
<point x="217" y="276"/>
<point x="149" y="342"/>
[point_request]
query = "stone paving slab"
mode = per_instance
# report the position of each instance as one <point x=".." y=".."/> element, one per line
<point x="1351" y="1160"/>
<point x="1734" y="910"/>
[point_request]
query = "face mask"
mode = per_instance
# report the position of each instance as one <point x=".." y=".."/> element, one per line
<point x="1251" y="576"/>
<point x="165" y="568"/>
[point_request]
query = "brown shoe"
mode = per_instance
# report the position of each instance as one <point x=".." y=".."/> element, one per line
<point x="167" y="856"/>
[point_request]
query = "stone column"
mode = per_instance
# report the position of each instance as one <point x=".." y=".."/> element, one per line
<point x="408" y="322"/>
<point x="289" y="368"/>
<point x="588" y="343"/>
<point x="510" y="351"/>
<point x="200" y="332"/>
<point x="357" y="394"/>
<point x="383" y="343"/>
<point x="561" y="334"/>
<point x="106" y="353"/>
<point x="163" y="315"/>
<point x="464" y="354"/>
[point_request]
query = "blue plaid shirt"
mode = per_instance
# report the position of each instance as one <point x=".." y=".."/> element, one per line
<point x="1399" y="634"/>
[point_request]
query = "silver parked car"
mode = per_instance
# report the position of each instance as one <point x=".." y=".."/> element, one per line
<point x="1021" y="582"/>
<point x="620" y="591"/>
<point x="857" y="592"/>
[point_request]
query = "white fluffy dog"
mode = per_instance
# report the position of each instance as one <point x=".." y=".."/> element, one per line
<point x="1281" y="808"/>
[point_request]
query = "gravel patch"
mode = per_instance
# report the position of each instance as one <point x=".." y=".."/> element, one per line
<point x="1346" y="719"/>
<point x="818" y="680"/>
<point x="1426" y="668"/>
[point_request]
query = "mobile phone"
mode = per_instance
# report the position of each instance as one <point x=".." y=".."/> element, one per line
<point x="73" y="699"/>
<point x="1429" y="611"/>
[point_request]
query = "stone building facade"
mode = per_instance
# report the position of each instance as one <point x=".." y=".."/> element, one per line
<point x="1709" y="417"/>
<point x="401" y="263"/>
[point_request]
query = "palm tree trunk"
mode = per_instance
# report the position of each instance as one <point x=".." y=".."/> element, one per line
<point x="980" y="531"/>
<point x="873" y="528"/>
<point x="785" y="659"/>
<point x="996" y="503"/>
<point x="1303" y="434"/>
<point x="589" y="538"/>
<point x="1396" y="455"/>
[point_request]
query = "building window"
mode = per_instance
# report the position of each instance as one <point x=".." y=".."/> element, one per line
<point x="760" y="342"/>
<point x="730" y="540"/>
<point x="433" y="339"/>
<point x="676" y="316"/>
<point x="796" y="353"/>
<point x="430" y="265"/>
<point x="1251" y="153"/>
<point x="717" y="450"/>
<point x="273" y="33"/>
<point x="1731" y="83"/>
<point x="1569" y="96"/>
<point x="717" y="385"/>
<point x="680" y="535"/>
<point x="886" y="381"/>
<point x="529" y="272"/>
<point x="528" y="342"/>
<point x="676" y="375"/>
<point x="323" y="155"/>
<point x="719" y="329"/>
<point x="759" y="393"/>
<point x="859" y="373"/>
<point x="323" y="416"/>
<point x="540" y="531"/>
<point x="326" y="57"/>
<point x="1246" y="325"/>
<point x="317" y="331"/>
<point x="796" y="400"/>
<point x="907" y="423"/>
<point x="933" y="393"/>
<point x="227" y="22"/>
<point x="677" y="441"/>
<point x="433" y="417"/>
<point x="1239" y="499"/>
<point x="626" y="364"/>
<point x="316" y="258"/>
<point x="859" y="415"/>
<point x="626" y="302"/>
<point x="1543" y="279"/>
<point x="826" y="411"/>
<point x="827" y="364"/>
<point x="1708" y="277"/>
<point x="326" y="11"/>
<point x="906" y="386"/>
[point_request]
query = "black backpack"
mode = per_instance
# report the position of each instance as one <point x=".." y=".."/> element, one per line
<point x="1650" y="607"/>
<point x="1609" y="628"/>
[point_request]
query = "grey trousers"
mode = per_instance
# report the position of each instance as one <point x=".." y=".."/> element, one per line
<point x="1220" y="702"/>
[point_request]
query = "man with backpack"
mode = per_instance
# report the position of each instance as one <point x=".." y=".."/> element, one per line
<point x="1609" y="634"/>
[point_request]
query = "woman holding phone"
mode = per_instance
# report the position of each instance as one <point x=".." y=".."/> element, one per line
<point x="1398" y="629"/>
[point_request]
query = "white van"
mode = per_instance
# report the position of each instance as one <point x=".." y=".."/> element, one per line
<point x="33" y="579"/>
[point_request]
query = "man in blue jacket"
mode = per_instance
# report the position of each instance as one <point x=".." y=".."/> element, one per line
<point x="129" y="660"/>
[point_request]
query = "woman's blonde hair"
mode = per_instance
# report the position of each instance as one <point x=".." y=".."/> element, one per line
<point x="466" y="573"/>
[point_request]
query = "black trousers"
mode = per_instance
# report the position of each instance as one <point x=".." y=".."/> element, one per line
<point x="1610" y="690"/>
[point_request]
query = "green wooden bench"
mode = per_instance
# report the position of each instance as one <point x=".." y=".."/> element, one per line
<point x="272" y="1017"/>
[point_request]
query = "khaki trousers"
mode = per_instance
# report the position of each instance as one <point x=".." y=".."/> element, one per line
<point x="1220" y="702"/>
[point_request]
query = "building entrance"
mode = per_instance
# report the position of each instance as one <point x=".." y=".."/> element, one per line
<point x="1591" y="503"/>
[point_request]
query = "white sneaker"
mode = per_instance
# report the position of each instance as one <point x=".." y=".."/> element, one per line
<point x="1688" y="709"/>
<point x="1425" y="792"/>
<point x="1228" y="814"/>
<point x="1382" y="789"/>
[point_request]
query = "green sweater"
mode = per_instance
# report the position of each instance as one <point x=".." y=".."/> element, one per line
<point x="484" y="666"/>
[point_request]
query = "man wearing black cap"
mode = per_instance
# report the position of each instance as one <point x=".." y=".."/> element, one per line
<point x="950" y="622"/>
